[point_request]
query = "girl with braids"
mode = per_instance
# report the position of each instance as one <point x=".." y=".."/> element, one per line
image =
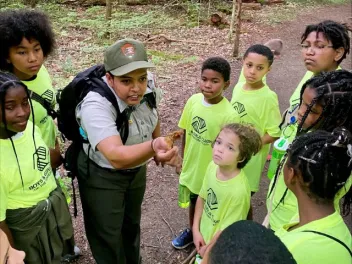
<point x="33" y="210"/>
<point x="325" y="103"/>
<point x="318" y="164"/>
<point x="324" y="47"/>
<point x="26" y="39"/>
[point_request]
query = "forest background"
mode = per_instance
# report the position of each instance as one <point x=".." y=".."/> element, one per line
<point x="179" y="36"/>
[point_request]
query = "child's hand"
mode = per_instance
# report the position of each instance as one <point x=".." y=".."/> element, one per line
<point x="198" y="241"/>
<point x="202" y="251"/>
<point x="179" y="168"/>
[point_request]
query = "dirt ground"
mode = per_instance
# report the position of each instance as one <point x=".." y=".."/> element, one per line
<point x="162" y="219"/>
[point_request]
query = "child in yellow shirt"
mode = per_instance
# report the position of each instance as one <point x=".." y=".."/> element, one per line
<point x="318" y="164"/>
<point x="33" y="210"/>
<point x="225" y="194"/>
<point x="257" y="105"/>
<point x="201" y="119"/>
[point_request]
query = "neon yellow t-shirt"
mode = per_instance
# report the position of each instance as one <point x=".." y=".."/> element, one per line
<point x="295" y="97"/>
<point x="226" y="202"/>
<point x="202" y="124"/>
<point x="282" y="213"/>
<point x="243" y="79"/>
<point x="42" y="85"/>
<point x="312" y="248"/>
<point x="261" y="109"/>
<point x="38" y="181"/>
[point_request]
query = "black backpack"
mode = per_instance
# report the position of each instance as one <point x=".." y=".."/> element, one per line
<point x="69" y="97"/>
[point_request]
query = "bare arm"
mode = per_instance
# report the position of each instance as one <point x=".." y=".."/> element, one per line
<point x="204" y="252"/>
<point x="55" y="156"/>
<point x="197" y="236"/>
<point x="121" y="156"/>
<point x="267" y="139"/>
<point x="183" y="143"/>
<point x="5" y="228"/>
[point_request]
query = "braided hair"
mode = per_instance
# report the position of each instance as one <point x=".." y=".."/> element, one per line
<point x="324" y="162"/>
<point x="334" y="92"/>
<point x="334" y="89"/>
<point x="334" y="32"/>
<point x="8" y="81"/>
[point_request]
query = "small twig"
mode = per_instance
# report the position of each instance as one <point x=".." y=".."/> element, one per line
<point x="190" y="256"/>
<point x="172" y="231"/>
<point x="192" y="260"/>
<point x="168" y="39"/>
<point x="152" y="246"/>
<point x="164" y="77"/>
<point x="143" y="34"/>
<point x="168" y="257"/>
<point x="159" y="240"/>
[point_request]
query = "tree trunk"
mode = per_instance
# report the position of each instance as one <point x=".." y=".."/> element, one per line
<point x="238" y="29"/>
<point x="232" y="24"/>
<point x="108" y="9"/>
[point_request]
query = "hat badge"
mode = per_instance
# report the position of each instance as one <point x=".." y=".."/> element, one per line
<point x="128" y="50"/>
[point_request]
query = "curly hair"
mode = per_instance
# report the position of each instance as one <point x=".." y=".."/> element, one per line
<point x="18" y="24"/>
<point x="324" y="162"/>
<point x="250" y="141"/>
<point x="219" y="65"/>
<point x="334" y="32"/>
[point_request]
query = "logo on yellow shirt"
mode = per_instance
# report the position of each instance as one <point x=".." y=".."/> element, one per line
<point x="42" y="156"/>
<point x="199" y="124"/>
<point x="212" y="200"/>
<point x="210" y="205"/>
<point x="241" y="110"/>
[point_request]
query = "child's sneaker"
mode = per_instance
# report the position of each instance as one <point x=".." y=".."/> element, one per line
<point x="183" y="240"/>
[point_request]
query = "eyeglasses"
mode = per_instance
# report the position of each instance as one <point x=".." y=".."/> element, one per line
<point x="316" y="49"/>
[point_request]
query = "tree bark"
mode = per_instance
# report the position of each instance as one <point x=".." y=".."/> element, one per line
<point x="232" y="24"/>
<point x="108" y="9"/>
<point x="238" y="29"/>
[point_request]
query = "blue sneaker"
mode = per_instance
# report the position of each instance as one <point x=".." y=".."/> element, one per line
<point x="183" y="240"/>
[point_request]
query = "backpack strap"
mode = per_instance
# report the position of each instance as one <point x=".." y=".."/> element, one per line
<point x="36" y="97"/>
<point x="121" y="119"/>
<point x="331" y="237"/>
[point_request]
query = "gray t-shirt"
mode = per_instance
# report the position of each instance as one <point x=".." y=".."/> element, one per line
<point x="97" y="117"/>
